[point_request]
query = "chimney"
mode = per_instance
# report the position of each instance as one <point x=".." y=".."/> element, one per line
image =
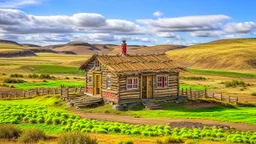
<point x="124" y="48"/>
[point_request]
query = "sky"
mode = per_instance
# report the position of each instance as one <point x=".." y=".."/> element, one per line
<point x="143" y="22"/>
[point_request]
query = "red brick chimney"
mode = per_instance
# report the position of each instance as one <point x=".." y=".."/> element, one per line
<point x="124" y="49"/>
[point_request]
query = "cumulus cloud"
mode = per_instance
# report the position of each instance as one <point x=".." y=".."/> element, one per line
<point x="185" y="43"/>
<point x="168" y="35"/>
<point x="207" y="33"/>
<point x="17" y="3"/>
<point x="16" y="21"/>
<point x="158" y="14"/>
<point x="246" y="27"/>
<point x="185" y="24"/>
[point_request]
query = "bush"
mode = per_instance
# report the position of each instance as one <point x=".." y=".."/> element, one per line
<point x="14" y="81"/>
<point x="76" y="138"/>
<point x="17" y="75"/>
<point x="235" y="83"/>
<point x="31" y="135"/>
<point x="9" y="131"/>
<point x="254" y="94"/>
<point x="125" y="142"/>
<point x="194" y="78"/>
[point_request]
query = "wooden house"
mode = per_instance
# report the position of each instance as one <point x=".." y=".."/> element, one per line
<point x="131" y="78"/>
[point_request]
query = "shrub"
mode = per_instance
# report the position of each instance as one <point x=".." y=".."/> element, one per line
<point x="8" y="80"/>
<point x="9" y="131"/>
<point x="76" y="138"/>
<point x="125" y="142"/>
<point x="31" y="135"/>
<point x="235" y="83"/>
<point x="254" y="94"/>
<point x="17" y="75"/>
<point x="194" y="78"/>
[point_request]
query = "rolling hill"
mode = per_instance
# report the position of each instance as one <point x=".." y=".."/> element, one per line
<point x="136" y="49"/>
<point x="81" y="48"/>
<point x="13" y="49"/>
<point x="228" y="54"/>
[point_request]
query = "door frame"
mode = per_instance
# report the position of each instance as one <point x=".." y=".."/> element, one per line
<point x="95" y="82"/>
<point x="152" y="85"/>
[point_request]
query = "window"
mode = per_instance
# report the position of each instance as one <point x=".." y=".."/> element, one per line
<point x="131" y="83"/>
<point x="161" y="81"/>
<point x="96" y="63"/>
<point x="108" y="82"/>
<point x="90" y="79"/>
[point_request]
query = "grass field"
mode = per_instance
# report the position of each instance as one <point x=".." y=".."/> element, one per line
<point x="223" y="73"/>
<point x="229" y="54"/>
<point x="48" y="84"/>
<point x="195" y="87"/>
<point x="52" y="69"/>
<point x="172" y="110"/>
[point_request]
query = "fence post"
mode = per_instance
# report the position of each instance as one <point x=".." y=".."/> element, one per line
<point x="181" y="91"/>
<point x="236" y="100"/>
<point x="220" y="96"/>
<point x="190" y="91"/>
<point x="67" y="93"/>
<point x="24" y="94"/>
<point x="228" y="98"/>
<point x="186" y="91"/>
<point x="212" y="94"/>
<point x="205" y="93"/>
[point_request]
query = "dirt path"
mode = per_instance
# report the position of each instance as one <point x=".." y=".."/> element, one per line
<point x="156" y="121"/>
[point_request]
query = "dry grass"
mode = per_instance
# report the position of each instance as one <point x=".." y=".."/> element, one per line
<point x="244" y="94"/>
<point x="9" y="48"/>
<point x="235" y="54"/>
<point x="145" y="50"/>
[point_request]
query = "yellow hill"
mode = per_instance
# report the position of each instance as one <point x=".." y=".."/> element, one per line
<point x="228" y="54"/>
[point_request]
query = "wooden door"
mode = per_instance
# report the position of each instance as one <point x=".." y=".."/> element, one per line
<point x="97" y="84"/>
<point x="144" y="87"/>
<point x="150" y="86"/>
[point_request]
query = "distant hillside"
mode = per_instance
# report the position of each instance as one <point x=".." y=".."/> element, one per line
<point x="9" y="42"/>
<point x="229" y="54"/>
<point x="13" y="49"/>
<point x="134" y="49"/>
<point x="81" y="48"/>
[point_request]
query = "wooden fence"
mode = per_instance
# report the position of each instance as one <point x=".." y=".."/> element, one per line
<point x="39" y="92"/>
<point x="198" y="94"/>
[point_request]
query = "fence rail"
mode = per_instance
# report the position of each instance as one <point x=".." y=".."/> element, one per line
<point x="39" y="92"/>
<point x="198" y="94"/>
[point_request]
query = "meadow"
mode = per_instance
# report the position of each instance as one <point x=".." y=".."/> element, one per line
<point x="46" y="114"/>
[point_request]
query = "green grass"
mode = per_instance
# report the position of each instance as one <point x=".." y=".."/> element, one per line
<point x="223" y="73"/>
<point x="48" y="84"/>
<point x="194" y="87"/>
<point x="172" y="110"/>
<point x="52" y="69"/>
<point x="46" y="100"/>
<point x="52" y="129"/>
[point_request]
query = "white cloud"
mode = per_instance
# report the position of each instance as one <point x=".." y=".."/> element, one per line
<point x="16" y="21"/>
<point x="158" y="14"/>
<point x="188" y="23"/>
<point x="168" y="35"/>
<point x="207" y="33"/>
<point x="17" y="3"/>
<point x="184" y="43"/>
<point x="246" y="27"/>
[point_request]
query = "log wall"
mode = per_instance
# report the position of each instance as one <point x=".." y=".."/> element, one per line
<point x="128" y="94"/>
<point x="171" y="90"/>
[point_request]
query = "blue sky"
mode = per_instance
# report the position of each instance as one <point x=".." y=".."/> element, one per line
<point x="147" y="22"/>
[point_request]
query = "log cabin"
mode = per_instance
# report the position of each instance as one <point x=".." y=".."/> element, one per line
<point x="127" y="78"/>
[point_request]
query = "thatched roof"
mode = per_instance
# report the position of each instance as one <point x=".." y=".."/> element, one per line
<point x="135" y="64"/>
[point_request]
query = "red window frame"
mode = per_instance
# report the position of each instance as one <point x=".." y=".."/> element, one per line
<point x="162" y="81"/>
<point x="132" y="83"/>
